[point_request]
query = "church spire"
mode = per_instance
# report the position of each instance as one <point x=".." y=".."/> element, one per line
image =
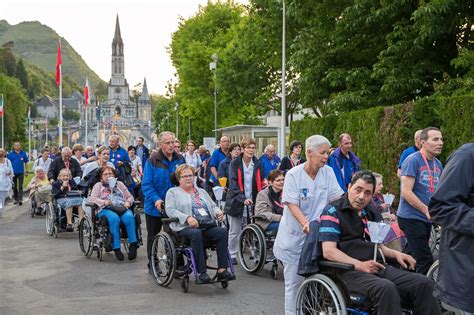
<point x="118" y="36"/>
<point x="145" y="96"/>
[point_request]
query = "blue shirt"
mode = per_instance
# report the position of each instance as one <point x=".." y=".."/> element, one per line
<point x="269" y="165"/>
<point x="406" y="153"/>
<point x="18" y="161"/>
<point x="415" y="166"/>
<point x="217" y="157"/>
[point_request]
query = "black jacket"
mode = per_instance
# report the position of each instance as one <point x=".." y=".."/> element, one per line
<point x="58" y="164"/>
<point x="58" y="193"/>
<point x="311" y="252"/>
<point x="146" y="154"/>
<point x="234" y="203"/>
<point x="452" y="207"/>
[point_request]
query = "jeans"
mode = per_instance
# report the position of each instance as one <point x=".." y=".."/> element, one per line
<point x="18" y="187"/>
<point x="273" y="226"/>
<point x="418" y="234"/>
<point x="198" y="236"/>
<point x="153" y="227"/>
<point x="114" y="226"/>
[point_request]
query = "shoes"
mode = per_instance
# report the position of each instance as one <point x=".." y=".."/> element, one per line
<point x="233" y="260"/>
<point x="224" y="276"/>
<point x="132" y="251"/>
<point x="204" y="278"/>
<point x="69" y="228"/>
<point x="15" y="202"/>
<point x="20" y="203"/>
<point x="118" y="254"/>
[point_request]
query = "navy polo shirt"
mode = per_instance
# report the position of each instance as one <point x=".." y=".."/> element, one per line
<point x="18" y="161"/>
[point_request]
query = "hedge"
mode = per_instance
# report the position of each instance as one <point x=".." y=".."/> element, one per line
<point x="380" y="134"/>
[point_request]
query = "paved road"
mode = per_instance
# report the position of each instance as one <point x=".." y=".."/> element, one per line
<point x="43" y="275"/>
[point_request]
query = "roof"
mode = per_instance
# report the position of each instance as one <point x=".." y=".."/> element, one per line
<point x="237" y="127"/>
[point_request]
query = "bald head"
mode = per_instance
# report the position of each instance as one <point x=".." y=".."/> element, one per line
<point x="270" y="151"/>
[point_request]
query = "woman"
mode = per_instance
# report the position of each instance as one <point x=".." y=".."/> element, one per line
<point x="197" y="215"/>
<point x="268" y="204"/>
<point x="61" y="191"/>
<point x="40" y="188"/>
<point x="378" y="200"/>
<point x="114" y="201"/>
<point x="223" y="170"/>
<point x="136" y="161"/>
<point x="245" y="181"/>
<point x="6" y="177"/>
<point x="192" y="157"/>
<point x="104" y="153"/>
<point x="294" y="159"/>
<point x="77" y="150"/>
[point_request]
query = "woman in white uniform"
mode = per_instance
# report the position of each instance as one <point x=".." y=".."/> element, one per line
<point x="309" y="187"/>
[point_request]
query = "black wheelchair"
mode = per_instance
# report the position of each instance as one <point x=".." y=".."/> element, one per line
<point x="94" y="234"/>
<point x="172" y="257"/>
<point x="36" y="209"/>
<point x="56" y="216"/>
<point x="254" y="245"/>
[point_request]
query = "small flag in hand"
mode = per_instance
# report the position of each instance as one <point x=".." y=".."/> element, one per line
<point x="59" y="61"/>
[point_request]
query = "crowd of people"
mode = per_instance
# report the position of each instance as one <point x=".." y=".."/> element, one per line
<point x="327" y="185"/>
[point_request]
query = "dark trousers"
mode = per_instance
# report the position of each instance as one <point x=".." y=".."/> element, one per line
<point x="18" y="187"/>
<point x="153" y="227"/>
<point x="391" y="287"/>
<point x="198" y="236"/>
<point x="418" y="234"/>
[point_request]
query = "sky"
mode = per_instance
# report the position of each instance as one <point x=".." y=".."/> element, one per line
<point x="88" y="25"/>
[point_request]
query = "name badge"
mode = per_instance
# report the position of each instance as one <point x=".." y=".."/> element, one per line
<point x="202" y="212"/>
<point x="304" y="193"/>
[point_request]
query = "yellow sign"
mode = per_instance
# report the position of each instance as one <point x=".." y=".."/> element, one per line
<point x="223" y="181"/>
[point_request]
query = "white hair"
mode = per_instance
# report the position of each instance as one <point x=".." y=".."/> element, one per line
<point x="268" y="147"/>
<point x="315" y="141"/>
<point x="418" y="134"/>
<point x="38" y="169"/>
<point x="163" y="134"/>
<point x="66" y="150"/>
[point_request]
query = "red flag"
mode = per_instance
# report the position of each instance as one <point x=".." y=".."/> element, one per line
<point x="59" y="61"/>
<point x="86" y="93"/>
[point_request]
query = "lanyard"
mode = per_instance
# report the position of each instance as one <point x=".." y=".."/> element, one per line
<point x="293" y="164"/>
<point x="196" y="198"/>
<point x="432" y="188"/>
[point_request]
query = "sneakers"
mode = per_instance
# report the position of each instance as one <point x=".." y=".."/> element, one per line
<point x="233" y="260"/>
<point x="204" y="278"/>
<point x="20" y="203"/>
<point x="132" y="251"/>
<point x="224" y="276"/>
<point x="118" y="254"/>
<point x="69" y="228"/>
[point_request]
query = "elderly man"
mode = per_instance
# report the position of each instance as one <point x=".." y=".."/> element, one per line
<point x="410" y="150"/>
<point x="269" y="160"/>
<point x="40" y="188"/>
<point x="156" y="182"/>
<point x="344" y="238"/>
<point x="344" y="162"/>
<point x="419" y="179"/>
<point x="118" y="155"/>
<point x="217" y="157"/>
<point x="64" y="161"/>
<point x="309" y="187"/>
<point x="18" y="158"/>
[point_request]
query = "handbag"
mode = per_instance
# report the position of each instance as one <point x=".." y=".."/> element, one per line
<point x="74" y="194"/>
<point x="119" y="209"/>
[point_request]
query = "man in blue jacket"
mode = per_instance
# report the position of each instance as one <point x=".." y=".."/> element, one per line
<point x="156" y="182"/>
<point x="269" y="160"/>
<point x="19" y="158"/>
<point x="344" y="162"/>
<point x="118" y="155"/>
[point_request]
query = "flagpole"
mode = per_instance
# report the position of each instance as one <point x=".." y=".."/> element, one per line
<point x="60" y="107"/>
<point x="29" y="131"/>
<point x="86" y="128"/>
<point x="3" y="124"/>
<point x="46" y="140"/>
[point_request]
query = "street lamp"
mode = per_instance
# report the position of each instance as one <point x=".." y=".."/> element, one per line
<point x="283" y="84"/>
<point x="213" y="68"/>
<point x="177" y="119"/>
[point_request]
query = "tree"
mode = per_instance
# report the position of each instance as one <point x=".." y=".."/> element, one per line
<point x="71" y="115"/>
<point x="24" y="78"/>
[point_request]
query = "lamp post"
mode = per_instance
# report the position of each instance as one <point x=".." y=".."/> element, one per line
<point x="177" y="119"/>
<point x="281" y="145"/>
<point x="213" y="68"/>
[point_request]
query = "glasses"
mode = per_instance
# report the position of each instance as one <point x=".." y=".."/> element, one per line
<point x="186" y="176"/>
<point x="168" y="143"/>
<point x="251" y="148"/>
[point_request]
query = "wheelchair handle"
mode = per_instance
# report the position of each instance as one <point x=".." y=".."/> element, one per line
<point x="335" y="265"/>
<point x="169" y="220"/>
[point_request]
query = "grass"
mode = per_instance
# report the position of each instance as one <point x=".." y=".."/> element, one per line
<point x="26" y="180"/>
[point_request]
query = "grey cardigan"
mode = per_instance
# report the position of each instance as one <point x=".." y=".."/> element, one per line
<point x="178" y="204"/>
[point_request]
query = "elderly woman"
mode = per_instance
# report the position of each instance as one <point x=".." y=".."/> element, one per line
<point x="309" y="187"/>
<point x="40" y="188"/>
<point x="61" y="191"/>
<point x="6" y="176"/>
<point x="197" y="215"/>
<point x="114" y="201"/>
<point x="268" y="204"/>
<point x="104" y="154"/>
<point x="294" y="159"/>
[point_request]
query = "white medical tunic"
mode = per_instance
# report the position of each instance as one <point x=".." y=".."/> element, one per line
<point x="311" y="196"/>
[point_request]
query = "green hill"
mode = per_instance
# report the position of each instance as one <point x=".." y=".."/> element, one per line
<point x="37" y="44"/>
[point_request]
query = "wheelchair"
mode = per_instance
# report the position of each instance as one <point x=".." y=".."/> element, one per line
<point x="94" y="234"/>
<point x="34" y="207"/>
<point x="254" y="244"/>
<point x="172" y="257"/>
<point x="56" y="217"/>
<point x="326" y="293"/>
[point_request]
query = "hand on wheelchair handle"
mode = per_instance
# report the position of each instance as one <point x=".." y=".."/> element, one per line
<point x="219" y="216"/>
<point x="159" y="204"/>
<point x="369" y="266"/>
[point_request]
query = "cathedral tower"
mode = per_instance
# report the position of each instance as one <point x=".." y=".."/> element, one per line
<point x="118" y="86"/>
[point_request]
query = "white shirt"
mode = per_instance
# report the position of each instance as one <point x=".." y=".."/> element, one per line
<point x="311" y="196"/>
<point x="6" y="180"/>
<point x="248" y="176"/>
<point x="83" y="166"/>
<point x="44" y="164"/>
<point x="193" y="160"/>
<point x="137" y="162"/>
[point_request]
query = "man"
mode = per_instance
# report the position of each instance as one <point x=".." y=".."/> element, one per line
<point x="410" y="150"/>
<point x="344" y="238"/>
<point x="217" y="157"/>
<point x="419" y="178"/>
<point x="452" y="207"/>
<point x="156" y="182"/>
<point x="89" y="153"/>
<point x="118" y="155"/>
<point x="18" y="158"/>
<point x="44" y="160"/>
<point x="141" y="150"/>
<point x="344" y="162"/>
<point x="177" y="146"/>
<point x="64" y="161"/>
<point x="269" y="160"/>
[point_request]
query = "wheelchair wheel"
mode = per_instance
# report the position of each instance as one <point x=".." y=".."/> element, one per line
<point x="274" y="271"/>
<point x="433" y="271"/>
<point x="32" y="208"/>
<point x="49" y="218"/>
<point x="163" y="259"/>
<point x="252" y="249"/>
<point x="86" y="237"/>
<point x="320" y="295"/>
<point x="185" y="284"/>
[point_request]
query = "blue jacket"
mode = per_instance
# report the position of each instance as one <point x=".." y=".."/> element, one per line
<point x="157" y="179"/>
<point x="18" y="160"/>
<point x="350" y="166"/>
<point x="311" y="252"/>
<point x="268" y="165"/>
<point x="119" y="155"/>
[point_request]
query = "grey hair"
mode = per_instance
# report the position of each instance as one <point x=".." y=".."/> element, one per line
<point x="377" y="175"/>
<point x="418" y="134"/>
<point x="66" y="150"/>
<point x="268" y="147"/>
<point x="163" y="134"/>
<point x="315" y="141"/>
<point x="39" y="168"/>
